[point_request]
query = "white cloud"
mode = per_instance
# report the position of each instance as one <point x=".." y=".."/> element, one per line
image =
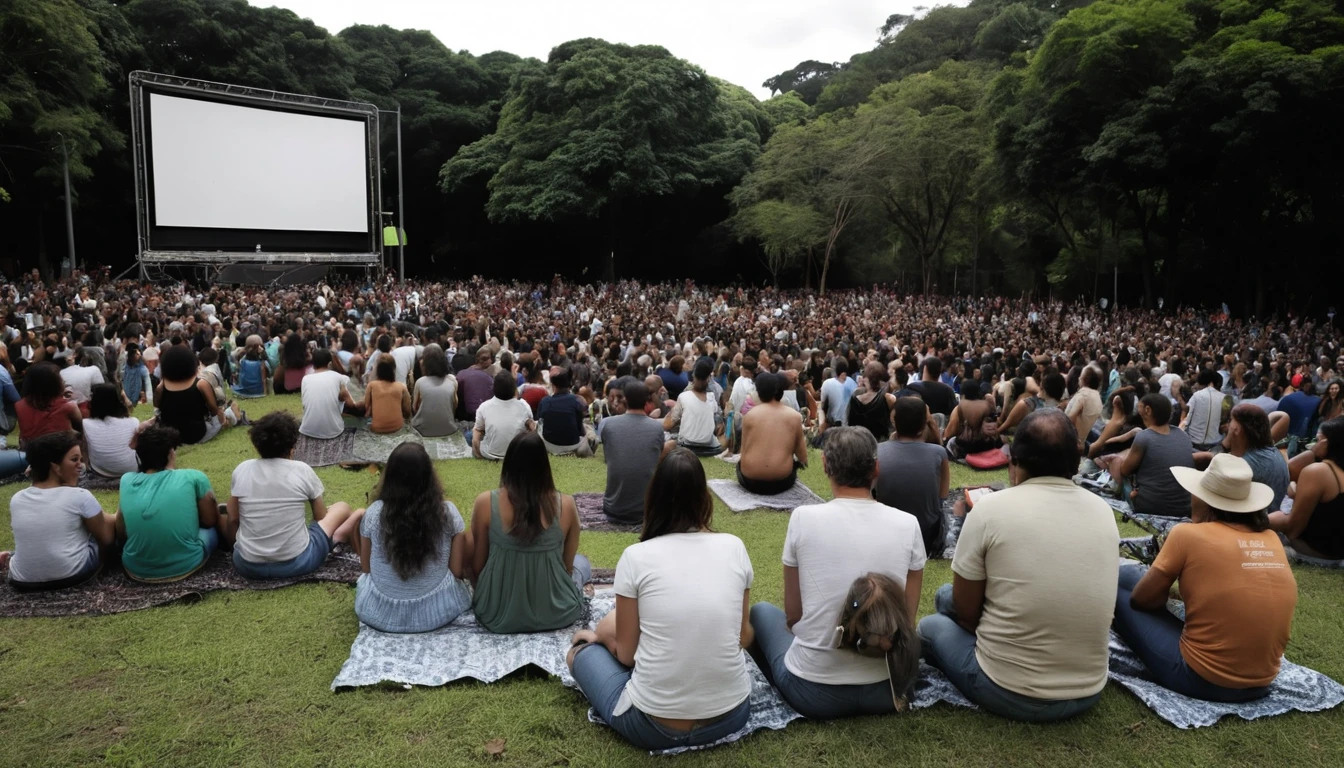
<point x="741" y="41"/>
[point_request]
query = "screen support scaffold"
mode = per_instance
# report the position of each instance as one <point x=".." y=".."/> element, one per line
<point x="209" y="250"/>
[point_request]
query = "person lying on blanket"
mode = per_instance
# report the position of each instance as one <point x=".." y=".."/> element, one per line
<point x="665" y="668"/>
<point x="1238" y="589"/>
<point x="525" y="539"/>
<point x="774" y="447"/>
<point x="268" y="507"/>
<point x="1156" y="449"/>
<point x="168" y="517"/>
<point x="831" y="551"/>
<point x="61" y="534"/>
<point x="413" y="547"/>
<point x="1006" y="633"/>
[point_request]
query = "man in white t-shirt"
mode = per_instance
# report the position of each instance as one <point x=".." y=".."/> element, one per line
<point x="826" y="548"/>
<point x="1023" y="630"/>
<point x="405" y="355"/>
<point x="500" y="419"/>
<point x="80" y="379"/>
<point x="1206" y="412"/>
<point x="324" y="395"/>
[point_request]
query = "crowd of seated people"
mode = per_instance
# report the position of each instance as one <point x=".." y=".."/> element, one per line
<point x="1186" y="411"/>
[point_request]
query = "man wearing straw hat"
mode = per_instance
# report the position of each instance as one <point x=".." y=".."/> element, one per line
<point x="1238" y="589"/>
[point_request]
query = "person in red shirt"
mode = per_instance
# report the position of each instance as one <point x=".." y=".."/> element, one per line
<point x="44" y="408"/>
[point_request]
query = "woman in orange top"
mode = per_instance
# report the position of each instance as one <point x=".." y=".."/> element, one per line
<point x="386" y="400"/>
<point x="1238" y="589"/>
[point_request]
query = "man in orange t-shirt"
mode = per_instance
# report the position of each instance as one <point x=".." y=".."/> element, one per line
<point x="1238" y="589"/>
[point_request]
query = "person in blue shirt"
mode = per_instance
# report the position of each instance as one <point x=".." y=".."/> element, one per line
<point x="1301" y="409"/>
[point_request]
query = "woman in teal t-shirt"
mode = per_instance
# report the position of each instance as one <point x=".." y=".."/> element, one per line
<point x="168" y="516"/>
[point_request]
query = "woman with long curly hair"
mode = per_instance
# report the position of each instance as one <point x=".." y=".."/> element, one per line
<point x="525" y="538"/>
<point x="413" y="548"/>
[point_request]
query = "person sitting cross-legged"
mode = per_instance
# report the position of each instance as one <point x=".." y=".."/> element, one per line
<point x="387" y="402"/>
<point x="774" y="447"/>
<point x="665" y="668"/>
<point x="631" y="445"/>
<point x="695" y="418"/>
<point x="268" y="504"/>
<point x="1023" y="629"/>
<point x="525" y="540"/>
<point x="562" y="420"/>
<point x="325" y="399"/>
<point x="414" y="549"/>
<point x="827" y="547"/>
<point x="62" y="536"/>
<point x="500" y="419"/>
<point x="1155" y="450"/>
<point x="1238" y="590"/>
<point x="914" y="475"/>
<point x="169" y="517"/>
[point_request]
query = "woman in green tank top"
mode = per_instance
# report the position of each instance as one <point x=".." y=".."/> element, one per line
<point x="529" y="577"/>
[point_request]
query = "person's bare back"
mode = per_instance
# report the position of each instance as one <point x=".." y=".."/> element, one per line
<point x="772" y="437"/>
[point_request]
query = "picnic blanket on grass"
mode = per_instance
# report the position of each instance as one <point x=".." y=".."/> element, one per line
<point x="92" y="481"/>
<point x="739" y="499"/>
<point x="324" y="453"/>
<point x="114" y="592"/>
<point x="375" y="448"/>
<point x="592" y="518"/>
<point x="464" y="649"/>
<point x="1296" y="688"/>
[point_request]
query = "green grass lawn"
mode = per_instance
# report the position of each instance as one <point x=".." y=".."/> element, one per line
<point x="242" y="678"/>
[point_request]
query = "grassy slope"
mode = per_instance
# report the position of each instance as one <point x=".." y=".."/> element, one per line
<point x="242" y="679"/>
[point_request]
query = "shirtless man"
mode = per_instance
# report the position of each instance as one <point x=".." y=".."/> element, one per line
<point x="773" y="445"/>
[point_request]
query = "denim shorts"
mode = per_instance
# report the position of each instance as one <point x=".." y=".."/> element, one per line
<point x="602" y="679"/>
<point x="319" y="546"/>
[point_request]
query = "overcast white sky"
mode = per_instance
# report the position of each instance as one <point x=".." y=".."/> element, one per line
<point x="741" y="41"/>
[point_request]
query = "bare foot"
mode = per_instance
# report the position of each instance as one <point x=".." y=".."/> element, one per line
<point x="4" y="559"/>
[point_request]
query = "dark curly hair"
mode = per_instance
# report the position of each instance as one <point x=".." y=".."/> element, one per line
<point x="413" y="520"/>
<point x="275" y="435"/>
<point x="105" y="402"/>
<point x="42" y="385"/>
<point x="47" y="450"/>
<point x="154" y="446"/>
<point x="178" y="363"/>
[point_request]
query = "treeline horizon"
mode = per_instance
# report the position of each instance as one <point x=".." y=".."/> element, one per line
<point x="1184" y="149"/>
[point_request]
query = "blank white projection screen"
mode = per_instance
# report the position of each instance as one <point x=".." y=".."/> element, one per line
<point x="230" y="167"/>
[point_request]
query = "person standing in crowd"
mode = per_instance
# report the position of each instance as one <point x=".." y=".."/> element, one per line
<point x="1001" y="633"/>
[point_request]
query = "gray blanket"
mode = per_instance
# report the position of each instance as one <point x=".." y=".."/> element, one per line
<point x="592" y="518"/>
<point x="739" y="500"/>
<point x="464" y="649"/>
<point x="373" y="447"/>
<point x="1296" y="688"/>
<point x="325" y="453"/>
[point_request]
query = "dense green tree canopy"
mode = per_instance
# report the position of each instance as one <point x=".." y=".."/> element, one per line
<point x="1038" y="146"/>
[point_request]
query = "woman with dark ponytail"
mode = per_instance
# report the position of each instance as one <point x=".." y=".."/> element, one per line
<point x="529" y="575"/>
<point x="413" y="549"/>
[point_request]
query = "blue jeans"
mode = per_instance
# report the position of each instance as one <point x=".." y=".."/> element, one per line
<point x="1156" y="638"/>
<point x="815" y="701"/>
<point x="319" y="546"/>
<point x="583" y="570"/>
<point x="12" y="463"/>
<point x="602" y="679"/>
<point x="952" y="649"/>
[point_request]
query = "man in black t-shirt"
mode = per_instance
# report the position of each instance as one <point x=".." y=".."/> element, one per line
<point x="938" y="396"/>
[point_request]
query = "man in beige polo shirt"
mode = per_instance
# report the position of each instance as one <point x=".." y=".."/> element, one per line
<point x="1023" y="629"/>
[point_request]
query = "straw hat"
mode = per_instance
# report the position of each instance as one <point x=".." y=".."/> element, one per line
<point x="1226" y="485"/>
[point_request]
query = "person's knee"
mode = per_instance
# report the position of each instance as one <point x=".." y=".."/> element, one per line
<point x="762" y="612"/>
<point x="942" y="601"/>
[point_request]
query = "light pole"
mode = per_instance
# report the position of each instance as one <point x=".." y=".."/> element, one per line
<point x="69" y="211"/>
<point x="401" y="200"/>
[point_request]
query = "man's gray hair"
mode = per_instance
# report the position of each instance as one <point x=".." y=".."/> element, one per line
<point x="851" y="456"/>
